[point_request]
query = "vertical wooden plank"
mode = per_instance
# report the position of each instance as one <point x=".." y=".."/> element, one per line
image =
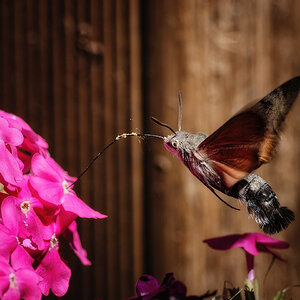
<point x="58" y="75"/>
<point x="98" y="124"/>
<point x="221" y="55"/>
<point x="123" y="149"/>
<point x="7" y="59"/>
<point x="71" y="143"/>
<point x="84" y="136"/>
<point x="136" y="109"/>
<point x="45" y="72"/>
<point x="20" y="38"/>
<point x="32" y="76"/>
<point x="111" y="164"/>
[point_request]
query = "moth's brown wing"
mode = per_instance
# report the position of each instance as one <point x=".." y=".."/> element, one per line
<point x="249" y="139"/>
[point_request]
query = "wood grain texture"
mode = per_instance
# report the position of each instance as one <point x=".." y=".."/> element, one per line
<point x="221" y="55"/>
<point x="81" y="72"/>
<point x="71" y="69"/>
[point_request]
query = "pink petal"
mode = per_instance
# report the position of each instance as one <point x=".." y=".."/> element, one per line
<point x="18" y="123"/>
<point x="55" y="166"/>
<point x="73" y="204"/>
<point x="72" y="236"/>
<point x="55" y="274"/>
<point x="9" y="135"/>
<point x="49" y="191"/>
<point x="8" y="242"/>
<point x="248" y="243"/>
<point x="9" y="167"/>
<point x="21" y="259"/>
<point x="4" y="284"/>
<point x="41" y="168"/>
<point x="5" y="270"/>
<point x="12" y="294"/>
<point x="29" y="288"/>
<point x="233" y="241"/>
<point x="63" y="221"/>
<point x="9" y="215"/>
<point x="270" y="242"/>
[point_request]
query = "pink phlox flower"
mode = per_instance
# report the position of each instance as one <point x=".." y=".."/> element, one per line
<point x="48" y="181"/>
<point x="251" y="243"/>
<point x="148" y="288"/>
<point x="16" y="122"/>
<point x="10" y="229"/>
<point x="23" y="208"/>
<point x="31" y="143"/>
<point x="19" y="280"/>
<point x="72" y="236"/>
<point x="53" y="271"/>
<point x="10" y="168"/>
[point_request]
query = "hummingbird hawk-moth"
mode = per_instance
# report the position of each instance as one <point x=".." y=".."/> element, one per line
<point x="225" y="160"/>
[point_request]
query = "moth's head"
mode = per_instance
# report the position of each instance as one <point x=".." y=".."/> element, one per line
<point x="183" y="142"/>
<point x="174" y="143"/>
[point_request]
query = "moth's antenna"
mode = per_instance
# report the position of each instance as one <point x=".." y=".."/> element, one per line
<point x="180" y="111"/>
<point x="162" y="124"/>
<point x="121" y="136"/>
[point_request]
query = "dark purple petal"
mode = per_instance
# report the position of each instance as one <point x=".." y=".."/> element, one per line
<point x="233" y="241"/>
<point x="146" y="285"/>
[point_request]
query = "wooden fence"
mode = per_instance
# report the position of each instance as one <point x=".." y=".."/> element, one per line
<point x="81" y="72"/>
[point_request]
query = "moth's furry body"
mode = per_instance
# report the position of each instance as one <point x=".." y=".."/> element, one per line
<point x="226" y="159"/>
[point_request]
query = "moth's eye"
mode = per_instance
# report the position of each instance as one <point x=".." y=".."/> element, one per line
<point x="175" y="144"/>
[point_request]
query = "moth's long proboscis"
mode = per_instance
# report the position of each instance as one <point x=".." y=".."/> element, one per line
<point x="121" y="136"/>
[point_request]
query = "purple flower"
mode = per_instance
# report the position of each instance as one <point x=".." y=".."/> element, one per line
<point x="251" y="243"/>
<point x="148" y="288"/>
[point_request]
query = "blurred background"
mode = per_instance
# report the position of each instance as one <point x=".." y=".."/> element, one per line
<point x="81" y="72"/>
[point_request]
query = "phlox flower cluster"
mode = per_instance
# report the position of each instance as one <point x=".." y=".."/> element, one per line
<point x="37" y="207"/>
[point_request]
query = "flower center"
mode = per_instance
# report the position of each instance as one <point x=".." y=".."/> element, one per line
<point x="65" y="186"/>
<point x="2" y="190"/>
<point x="12" y="281"/>
<point x="25" y="207"/>
<point x="53" y="242"/>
